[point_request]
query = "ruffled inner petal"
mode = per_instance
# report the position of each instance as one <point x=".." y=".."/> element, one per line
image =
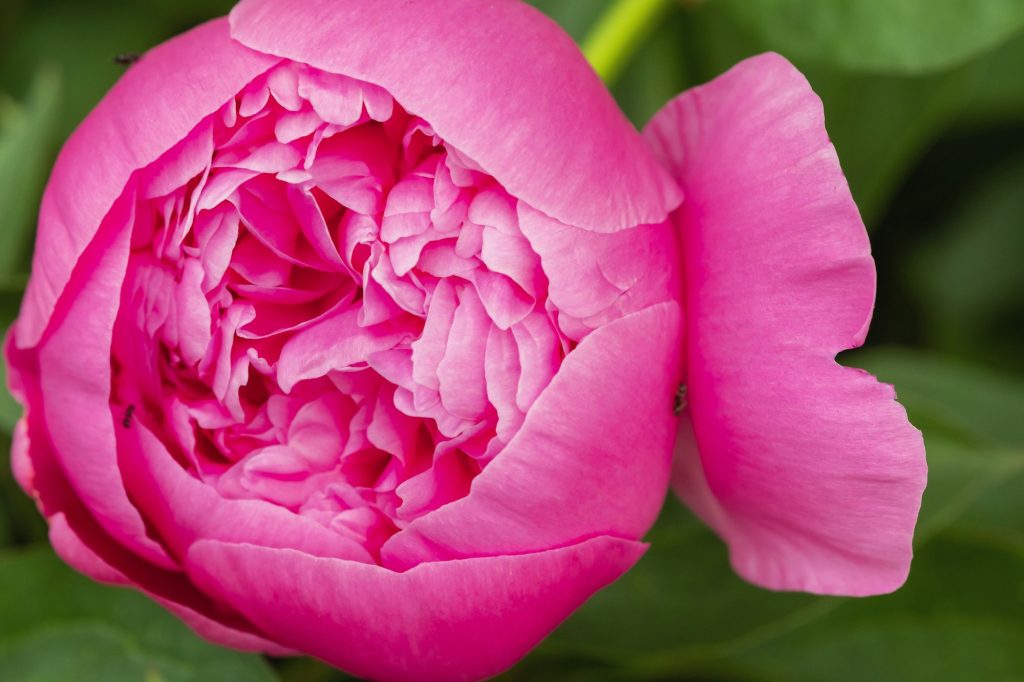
<point x="327" y="310"/>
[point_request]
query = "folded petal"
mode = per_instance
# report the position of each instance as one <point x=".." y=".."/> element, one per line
<point x="595" y="278"/>
<point x="336" y="342"/>
<point x="455" y="620"/>
<point x="592" y="457"/>
<point x="85" y="546"/>
<point x="809" y="470"/>
<point x="74" y="385"/>
<point x="183" y="509"/>
<point x="153" y="107"/>
<point x="498" y="80"/>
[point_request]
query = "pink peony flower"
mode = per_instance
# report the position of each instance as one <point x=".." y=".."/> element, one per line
<point x="354" y="329"/>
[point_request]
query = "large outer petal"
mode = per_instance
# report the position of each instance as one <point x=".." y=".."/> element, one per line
<point x="74" y="376"/>
<point x="83" y="544"/>
<point x="157" y="102"/>
<point x="593" y="457"/>
<point x="809" y="470"/>
<point x="495" y="78"/>
<point x="454" y="620"/>
<point x="183" y="509"/>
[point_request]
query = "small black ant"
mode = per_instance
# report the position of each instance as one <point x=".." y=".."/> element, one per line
<point x="680" y="400"/>
<point x="127" y="421"/>
<point x="127" y="58"/>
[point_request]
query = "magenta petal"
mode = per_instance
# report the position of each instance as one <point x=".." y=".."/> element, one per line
<point x="336" y="342"/>
<point x="602" y="480"/>
<point x="183" y="509"/>
<point x="470" y="68"/>
<point x="595" y="278"/>
<point x="80" y="542"/>
<point x="153" y="107"/>
<point x="809" y="470"/>
<point x="460" y="374"/>
<point x="454" y="620"/>
<point x="75" y="384"/>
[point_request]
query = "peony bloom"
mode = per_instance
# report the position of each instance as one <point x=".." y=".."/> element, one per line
<point x="354" y="330"/>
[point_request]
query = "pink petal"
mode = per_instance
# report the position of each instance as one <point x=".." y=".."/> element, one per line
<point x="501" y="365"/>
<point x="407" y="212"/>
<point x="193" y="313"/>
<point x="448" y="479"/>
<point x="355" y="168"/>
<point x="153" y="107"/>
<point x="592" y="457"/>
<point x="596" y="278"/>
<point x="539" y="357"/>
<point x="428" y="350"/>
<point x="466" y="620"/>
<point x="336" y="99"/>
<point x="470" y="68"/>
<point x="809" y="470"/>
<point x="336" y="342"/>
<point x="460" y="373"/>
<point x="504" y="300"/>
<point x="80" y="542"/>
<point x="184" y="510"/>
<point x="75" y="382"/>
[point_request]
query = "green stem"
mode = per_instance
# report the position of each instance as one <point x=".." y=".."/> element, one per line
<point x="618" y="33"/>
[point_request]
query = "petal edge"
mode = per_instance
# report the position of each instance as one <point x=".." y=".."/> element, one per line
<point x="810" y="471"/>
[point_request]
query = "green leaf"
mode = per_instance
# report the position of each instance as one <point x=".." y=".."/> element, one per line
<point x="969" y="276"/>
<point x="880" y="36"/>
<point x="880" y="124"/>
<point x="26" y="138"/>
<point x="18" y="512"/>
<point x="6" y="521"/>
<point x="656" y="73"/>
<point x="957" y="618"/>
<point x="59" y="626"/>
<point x="81" y="39"/>
<point x="997" y="90"/>
<point x="10" y="297"/>
<point x="943" y="395"/>
<point x="10" y="411"/>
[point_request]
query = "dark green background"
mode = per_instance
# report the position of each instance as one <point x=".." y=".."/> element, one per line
<point x="925" y="102"/>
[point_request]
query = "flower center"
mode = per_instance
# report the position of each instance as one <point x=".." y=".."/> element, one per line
<point x="329" y="308"/>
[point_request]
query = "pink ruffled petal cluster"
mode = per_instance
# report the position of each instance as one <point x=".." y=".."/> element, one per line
<point x="354" y="330"/>
<point x="327" y="308"/>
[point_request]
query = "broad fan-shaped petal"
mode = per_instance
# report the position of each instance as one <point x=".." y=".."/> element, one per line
<point x="481" y="617"/>
<point x="498" y="80"/>
<point x="154" y="106"/>
<point x="809" y="470"/>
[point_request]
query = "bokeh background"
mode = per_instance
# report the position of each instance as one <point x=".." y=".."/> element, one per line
<point x="924" y="100"/>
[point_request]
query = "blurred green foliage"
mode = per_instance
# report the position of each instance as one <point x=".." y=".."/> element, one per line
<point x="924" y="100"/>
<point x="58" y="625"/>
